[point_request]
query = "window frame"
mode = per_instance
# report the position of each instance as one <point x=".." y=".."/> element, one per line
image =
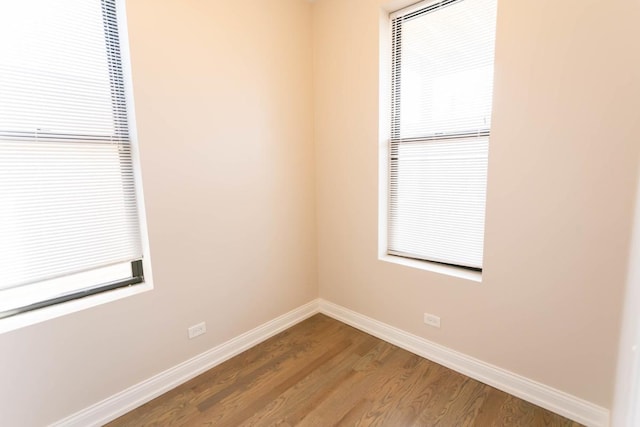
<point x="387" y="115"/>
<point x="141" y="279"/>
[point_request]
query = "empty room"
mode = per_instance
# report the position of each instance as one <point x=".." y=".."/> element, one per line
<point x="319" y="212"/>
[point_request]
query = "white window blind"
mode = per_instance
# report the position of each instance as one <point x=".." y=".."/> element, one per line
<point x="442" y="84"/>
<point x="68" y="217"/>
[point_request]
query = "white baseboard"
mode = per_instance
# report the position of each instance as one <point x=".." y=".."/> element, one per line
<point x="139" y="394"/>
<point x="554" y="400"/>
<point x="539" y="394"/>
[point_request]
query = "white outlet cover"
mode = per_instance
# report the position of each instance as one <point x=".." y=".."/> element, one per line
<point x="198" y="329"/>
<point x="432" y="320"/>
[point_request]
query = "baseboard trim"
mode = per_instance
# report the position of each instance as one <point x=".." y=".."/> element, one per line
<point x="141" y="393"/>
<point x="539" y="394"/>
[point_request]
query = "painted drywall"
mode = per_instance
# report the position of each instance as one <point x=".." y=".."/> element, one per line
<point x="223" y="97"/>
<point x="562" y="168"/>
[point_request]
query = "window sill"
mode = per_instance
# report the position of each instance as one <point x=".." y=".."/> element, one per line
<point x="37" y="316"/>
<point x="449" y="270"/>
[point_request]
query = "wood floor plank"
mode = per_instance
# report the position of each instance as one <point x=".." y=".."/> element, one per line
<point x="387" y="404"/>
<point x="292" y="405"/>
<point x="223" y="407"/>
<point x="488" y="415"/>
<point x="364" y="377"/>
<point x="298" y="337"/>
<point x="272" y="392"/>
<point x="321" y="372"/>
<point x="464" y="407"/>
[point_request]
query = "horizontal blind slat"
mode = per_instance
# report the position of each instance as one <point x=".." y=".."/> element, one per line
<point x="442" y="84"/>
<point x="67" y="184"/>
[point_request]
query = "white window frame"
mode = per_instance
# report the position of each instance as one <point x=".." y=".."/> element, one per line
<point x="50" y="312"/>
<point x="385" y="113"/>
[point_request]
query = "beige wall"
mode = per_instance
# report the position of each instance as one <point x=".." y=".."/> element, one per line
<point x="223" y="101"/>
<point x="563" y="158"/>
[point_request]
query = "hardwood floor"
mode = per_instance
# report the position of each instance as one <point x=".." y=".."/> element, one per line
<point x="323" y="373"/>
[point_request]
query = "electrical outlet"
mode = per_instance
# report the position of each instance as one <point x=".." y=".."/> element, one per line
<point x="198" y="329"/>
<point x="432" y="320"/>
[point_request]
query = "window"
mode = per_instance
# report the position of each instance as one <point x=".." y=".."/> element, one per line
<point x="442" y="84"/>
<point x="69" y="215"/>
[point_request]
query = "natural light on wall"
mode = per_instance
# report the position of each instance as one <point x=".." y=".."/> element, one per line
<point x="442" y="84"/>
<point x="69" y="219"/>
